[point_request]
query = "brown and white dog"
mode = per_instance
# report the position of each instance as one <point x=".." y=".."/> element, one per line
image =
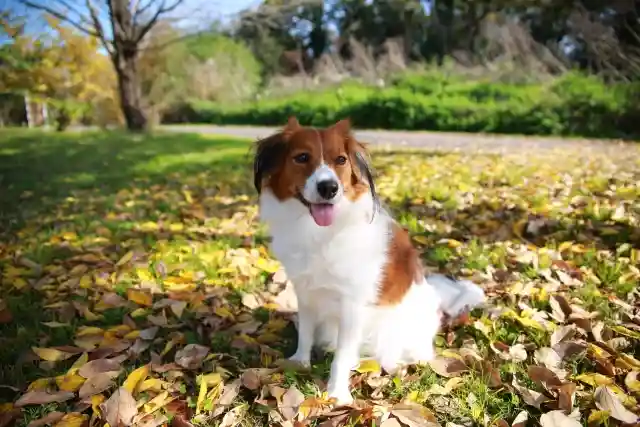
<point x="358" y="280"/>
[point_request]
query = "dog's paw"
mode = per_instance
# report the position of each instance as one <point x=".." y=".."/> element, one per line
<point x="341" y="395"/>
<point x="303" y="360"/>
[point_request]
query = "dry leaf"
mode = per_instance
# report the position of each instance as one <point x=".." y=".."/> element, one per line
<point x="191" y="356"/>
<point x="530" y="397"/>
<point x="291" y="401"/>
<point x="558" y="419"/>
<point x="100" y="366"/>
<point x="606" y="400"/>
<point x="520" y="420"/>
<point x="120" y="408"/>
<point x="42" y="398"/>
<point x="51" y="354"/>
<point x="447" y="366"/>
<point x="96" y="384"/>
<point x="72" y="419"/>
<point x="135" y="378"/>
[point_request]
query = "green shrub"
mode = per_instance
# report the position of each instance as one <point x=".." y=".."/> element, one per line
<point x="572" y="105"/>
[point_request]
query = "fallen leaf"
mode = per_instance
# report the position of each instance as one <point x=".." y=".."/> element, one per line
<point x="120" y="408"/>
<point x="96" y="384"/>
<point x="530" y="397"/>
<point x="520" y="420"/>
<point x="100" y="366"/>
<point x="447" y="366"/>
<point x="368" y="365"/>
<point x="135" y="377"/>
<point x="558" y="419"/>
<point x="291" y="401"/>
<point x="139" y="297"/>
<point x="191" y="356"/>
<point x="70" y="382"/>
<point x="632" y="382"/>
<point x="42" y="398"/>
<point x="51" y="354"/>
<point x="606" y="400"/>
<point x="72" y="419"/>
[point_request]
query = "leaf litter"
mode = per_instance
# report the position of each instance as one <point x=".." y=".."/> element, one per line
<point x="184" y="318"/>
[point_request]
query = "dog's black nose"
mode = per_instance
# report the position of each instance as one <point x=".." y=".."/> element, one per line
<point x="327" y="189"/>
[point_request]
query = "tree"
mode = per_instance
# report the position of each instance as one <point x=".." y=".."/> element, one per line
<point x="129" y="21"/>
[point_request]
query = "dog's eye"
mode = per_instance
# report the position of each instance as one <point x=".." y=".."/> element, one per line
<point x="341" y="160"/>
<point x="301" y="158"/>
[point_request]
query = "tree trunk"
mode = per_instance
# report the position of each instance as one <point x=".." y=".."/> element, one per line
<point x="130" y="94"/>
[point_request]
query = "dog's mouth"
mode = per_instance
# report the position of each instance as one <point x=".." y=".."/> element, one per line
<point x="322" y="213"/>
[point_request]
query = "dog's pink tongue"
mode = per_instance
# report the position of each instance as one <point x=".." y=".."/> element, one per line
<point x="323" y="214"/>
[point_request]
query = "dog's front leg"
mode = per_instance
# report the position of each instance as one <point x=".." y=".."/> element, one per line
<point x="306" y="332"/>
<point x="347" y="353"/>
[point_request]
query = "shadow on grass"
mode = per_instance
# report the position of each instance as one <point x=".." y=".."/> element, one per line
<point x="40" y="169"/>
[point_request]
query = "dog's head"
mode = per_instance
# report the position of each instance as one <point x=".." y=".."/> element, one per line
<point x="321" y="168"/>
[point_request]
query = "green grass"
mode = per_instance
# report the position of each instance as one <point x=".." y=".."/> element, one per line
<point x="121" y="232"/>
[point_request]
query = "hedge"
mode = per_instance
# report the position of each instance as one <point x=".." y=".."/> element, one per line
<point x="572" y="105"/>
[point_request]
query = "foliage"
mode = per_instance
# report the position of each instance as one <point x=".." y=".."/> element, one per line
<point x="64" y="69"/>
<point x="571" y="105"/>
<point x="137" y="288"/>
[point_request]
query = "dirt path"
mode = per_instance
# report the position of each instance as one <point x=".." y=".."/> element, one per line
<point x="430" y="140"/>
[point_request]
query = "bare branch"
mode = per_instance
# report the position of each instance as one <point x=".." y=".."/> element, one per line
<point x="98" y="27"/>
<point x="161" y="10"/>
<point x="61" y="16"/>
<point x="139" y="11"/>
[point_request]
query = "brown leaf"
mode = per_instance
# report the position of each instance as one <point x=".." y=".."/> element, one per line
<point x="414" y="416"/>
<point x="251" y="379"/>
<point x="229" y="393"/>
<point x="120" y="409"/>
<point x="544" y="376"/>
<point x="291" y="401"/>
<point x="191" y="356"/>
<point x="50" y="418"/>
<point x="562" y="333"/>
<point x="558" y="419"/>
<point x="530" y="397"/>
<point x="606" y="400"/>
<point x="391" y="422"/>
<point x="447" y="366"/>
<point x="96" y="384"/>
<point x="100" y="366"/>
<point x="42" y="398"/>
<point x="570" y="349"/>
<point x="566" y="396"/>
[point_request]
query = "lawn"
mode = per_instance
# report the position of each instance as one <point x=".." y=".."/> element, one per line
<point x="137" y="288"/>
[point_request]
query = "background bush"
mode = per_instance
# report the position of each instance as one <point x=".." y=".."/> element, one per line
<point x="574" y="104"/>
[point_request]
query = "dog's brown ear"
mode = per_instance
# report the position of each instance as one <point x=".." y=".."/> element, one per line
<point x="291" y="126"/>
<point x="270" y="151"/>
<point x="343" y="127"/>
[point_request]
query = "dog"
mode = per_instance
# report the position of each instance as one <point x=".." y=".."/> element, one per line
<point x="358" y="278"/>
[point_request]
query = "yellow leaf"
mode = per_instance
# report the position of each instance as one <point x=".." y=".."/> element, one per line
<point x="597" y="417"/>
<point x="157" y="402"/>
<point x="153" y="384"/>
<point x="368" y="365"/>
<point x="96" y="400"/>
<point x="625" y="331"/>
<point x="201" y="396"/>
<point x="144" y="274"/>
<point x="421" y="239"/>
<point x="135" y="378"/>
<point x="594" y="379"/>
<point x="80" y="361"/>
<point x="73" y="419"/>
<point x="125" y="259"/>
<point x="84" y="331"/>
<point x="632" y="382"/>
<point x="86" y="282"/>
<point x="69" y="235"/>
<point x="176" y="227"/>
<point x="211" y="379"/>
<point x="266" y="265"/>
<point x="187" y="196"/>
<point x="626" y="361"/>
<point x="90" y="316"/>
<point x="565" y="245"/>
<point x="40" y="384"/>
<point x="223" y="312"/>
<point x="140" y="298"/>
<point x="132" y="335"/>
<point x="51" y="354"/>
<point x="139" y="312"/>
<point x="70" y="382"/>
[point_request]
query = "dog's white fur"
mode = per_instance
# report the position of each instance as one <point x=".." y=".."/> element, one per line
<point x="336" y="272"/>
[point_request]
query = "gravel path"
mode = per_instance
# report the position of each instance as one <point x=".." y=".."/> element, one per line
<point x="442" y="141"/>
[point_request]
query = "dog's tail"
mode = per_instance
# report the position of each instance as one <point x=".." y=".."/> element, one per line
<point x="457" y="296"/>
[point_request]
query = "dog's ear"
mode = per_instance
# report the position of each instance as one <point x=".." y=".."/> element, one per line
<point x="359" y="157"/>
<point x="270" y="151"/>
